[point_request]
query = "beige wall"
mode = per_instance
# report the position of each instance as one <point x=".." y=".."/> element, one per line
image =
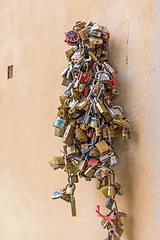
<point x="32" y="39"/>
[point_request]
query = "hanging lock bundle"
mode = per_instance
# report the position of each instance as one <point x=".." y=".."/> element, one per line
<point x="87" y="121"/>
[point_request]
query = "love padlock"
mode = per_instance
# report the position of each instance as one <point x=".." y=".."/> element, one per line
<point x="111" y="83"/>
<point x="84" y="76"/>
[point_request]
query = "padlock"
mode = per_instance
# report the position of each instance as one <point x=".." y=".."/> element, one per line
<point x="105" y="157"/>
<point x="69" y="54"/>
<point x="126" y="133"/>
<point x="111" y="187"/>
<point x="113" y="160"/>
<point x="81" y="165"/>
<point x="104" y="190"/>
<point x="81" y="87"/>
<point x="84" y="34"/>
<point x="58" y="132"/>
<point x="58" y="194"/>
<point x="92" y="162"/>
<point x="107" y="117"/>
<point x="118" y="221"/>
<point x="63" y="98"/>
<point x="55" y="166"/>
<point x="90" y="172"/>
<point x="116" y="111"/>
<point x="59" y="123"/>
<point x="84" y="76"/>
<point x="62" y="113"/>
<point x="111" y="70"/>
<point x="109" y="203"/>
<point x="81" y="135"/>
<point x="81" y="105"/>
<point x="119" y="231"/>
<point x="74" y="178"/>
<point x="68" y="135"/>
<point x="104" y="223"/>
<point x="121" y="122"/>
<point x="80" y="24"/>
<point x="96" y="34"/>
<point x="72" y="149"/>
<point x="95" y="41"/>
<point x="58" y="160"/>
<point x="102" y="146"/>
<point x="98" y="131"/>
<point x="94" y="58"/>
<point x="114" y="132"/>
<point x="93" y="152"/>
<point x="66" y="198"/>
<point x="69" y="189"/>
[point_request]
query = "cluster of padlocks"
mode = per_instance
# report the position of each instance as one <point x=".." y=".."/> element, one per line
<point x="87" y="121"/>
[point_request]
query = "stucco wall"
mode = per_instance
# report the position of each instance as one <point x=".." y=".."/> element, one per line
<point x="32" y="39"/>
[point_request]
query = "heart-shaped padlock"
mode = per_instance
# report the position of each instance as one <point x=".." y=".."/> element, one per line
<point x="84" y="76"/>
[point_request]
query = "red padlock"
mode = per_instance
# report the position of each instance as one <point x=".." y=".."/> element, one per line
<point x="93" y="161"/>
<point x="111" y="83"/>
<point x="86" y="90"/>
<point x="90" y="133"/>
<point x="84" y="76"/>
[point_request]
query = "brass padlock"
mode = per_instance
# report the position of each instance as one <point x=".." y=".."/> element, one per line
<point x="90" y="172"/>
<point x="71" y="149"/>
<point x="84" y="34"/>
<point x="93" y="152"/>
<point x="63" y="98"/>
<point x="55" y="166"/>
<point x="126" y="133"/>
<point x="102" y="146"/>
<point x="58" y="160"/>
<point x="98" y="131"/>
<point x="68" y="135"/>
<point x="74" y="178"/>
<point x="81" y="87"/>
<point x="66" y="198"/>
<point x="94" y="58"/>
<point x="121" y="122"/>
<point x="58" y="132"/>
<point x="81" y="135"/>
<point x="95" y="41"/>
<point x="104" y="223"/>
<point x="111" y="188"/>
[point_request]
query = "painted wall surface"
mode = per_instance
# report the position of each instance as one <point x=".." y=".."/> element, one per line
<point x="32" y="39"/>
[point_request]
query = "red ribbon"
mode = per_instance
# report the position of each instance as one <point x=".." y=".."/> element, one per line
<point x="107" y="218"/>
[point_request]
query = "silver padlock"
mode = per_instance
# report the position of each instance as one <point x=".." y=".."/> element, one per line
<point x="116" y="111"/>
<point x="113" y="160"/>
